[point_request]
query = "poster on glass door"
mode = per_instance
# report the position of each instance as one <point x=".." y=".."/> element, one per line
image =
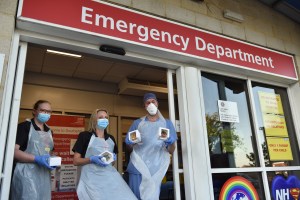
<point x="272" y="114"/>
<point x="275" y="129"/>
<point x="65" y="178"/>
<point x="228" y="111"/>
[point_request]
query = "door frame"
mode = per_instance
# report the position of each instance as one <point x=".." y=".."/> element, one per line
<point x="11" y="107"/>
<point x="13" y="89"/>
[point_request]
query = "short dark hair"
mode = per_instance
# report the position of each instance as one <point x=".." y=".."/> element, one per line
<point x="39" y="102"/>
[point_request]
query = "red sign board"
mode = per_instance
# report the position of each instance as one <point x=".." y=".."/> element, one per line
<point x="106" y="20"/>
<point x="65" y="133"/>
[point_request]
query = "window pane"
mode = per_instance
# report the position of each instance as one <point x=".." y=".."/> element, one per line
<point x="276" y="129"/>
<point x="284" y="185"/>
<point x="231" y="144"/>
<point x="237" y="187"/>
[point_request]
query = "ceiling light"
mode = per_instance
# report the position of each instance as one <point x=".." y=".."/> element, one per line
<point x="63" y="53"/>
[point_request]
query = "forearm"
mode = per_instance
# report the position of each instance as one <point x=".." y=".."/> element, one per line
<point x="171" y="148"/>
<point x="81" y="161"/>
<point x="129" y="148"/>
<point x="22" y="156"/>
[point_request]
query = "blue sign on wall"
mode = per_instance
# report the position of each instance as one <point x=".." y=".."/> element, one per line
<point x="285" y="189"/>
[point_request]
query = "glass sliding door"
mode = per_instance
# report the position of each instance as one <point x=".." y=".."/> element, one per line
<point x="231" y="139"/>
<point x="233" y="144"/>
<point x="276" y="128"/>
<point x="278" y="140"/>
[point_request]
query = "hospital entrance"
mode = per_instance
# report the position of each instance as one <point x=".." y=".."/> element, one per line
<point x="77" y="83"/>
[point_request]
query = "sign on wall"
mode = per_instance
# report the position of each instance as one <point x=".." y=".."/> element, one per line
<point x="65" y="132"/>
<point x="106" y="20"/>
<point x="270" y="103"/>
<point x="238" y="187"/>
<point x="275" y="125"/>
<point x="279" y="148"/>
<point x="285" y="189"/>
<point x="272" y="113"/>
<point x="275" y="129"/>
<point x="228" y="111"/>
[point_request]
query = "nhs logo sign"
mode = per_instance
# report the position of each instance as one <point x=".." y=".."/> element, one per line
<point x="285" y="189"/>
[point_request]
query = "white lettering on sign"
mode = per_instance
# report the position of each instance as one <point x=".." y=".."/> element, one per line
<point x="282" y="194"/>
<point x="144" y="33"/>
<point x="106" y="20"/>
<point x="236" y="54"/>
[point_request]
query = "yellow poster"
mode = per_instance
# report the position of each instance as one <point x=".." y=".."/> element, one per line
<point x="279" y="149"/>
<point x="275" y="125"/>
<point x="272" y="114"/>
<point x="270" y="103"/>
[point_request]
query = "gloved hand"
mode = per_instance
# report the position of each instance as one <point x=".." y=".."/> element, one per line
<point x="97" y="160"/>
<point x="115" y="156"/>
<point x="127" y="141"/>
<point x="43" y="161"/>
<point x="170" y="140"/>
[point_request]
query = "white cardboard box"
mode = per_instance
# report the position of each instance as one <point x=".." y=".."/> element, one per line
<point x="135" y="136"/>
<point x="107" y="157"/>
<point x="54" y="161"/>
<point x="163" y="133"/>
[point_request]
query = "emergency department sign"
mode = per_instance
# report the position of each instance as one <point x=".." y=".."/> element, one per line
<point x="102" y="19"/>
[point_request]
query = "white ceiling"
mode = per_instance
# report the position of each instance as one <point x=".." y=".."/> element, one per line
<point x="90" y="68"/>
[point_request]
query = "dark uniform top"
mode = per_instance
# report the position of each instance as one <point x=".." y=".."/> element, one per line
<point x="23" y="133"/>
<point x="83" y="140"/>
<point x="22" y="136"/>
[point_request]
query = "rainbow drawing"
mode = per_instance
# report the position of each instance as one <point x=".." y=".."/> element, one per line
<point x="238" y="185"/>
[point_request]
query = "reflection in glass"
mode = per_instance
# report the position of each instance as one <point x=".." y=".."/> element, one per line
<point x="231" y="144"/>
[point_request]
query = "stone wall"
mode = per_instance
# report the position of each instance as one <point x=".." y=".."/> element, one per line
<point x="7" y="24"/>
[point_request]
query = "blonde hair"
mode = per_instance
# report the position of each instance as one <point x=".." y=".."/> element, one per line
<point x="93" y="119"/>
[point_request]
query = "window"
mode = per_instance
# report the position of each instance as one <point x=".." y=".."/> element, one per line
<point x="275" y="124"/>
<point x="231" y="142"/>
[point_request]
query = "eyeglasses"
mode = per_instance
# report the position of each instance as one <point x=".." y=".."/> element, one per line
<point x="44" y="111"/>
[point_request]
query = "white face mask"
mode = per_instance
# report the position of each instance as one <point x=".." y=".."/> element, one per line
<point x="152" y="109"/>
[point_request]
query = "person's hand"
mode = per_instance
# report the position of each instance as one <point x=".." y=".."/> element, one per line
<point x="43" y="161"/>
<point x="97" y="160"/>
<point x="170" y="140"/>
<point x="115" y="156"/>
<point x="127" y="141"/>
